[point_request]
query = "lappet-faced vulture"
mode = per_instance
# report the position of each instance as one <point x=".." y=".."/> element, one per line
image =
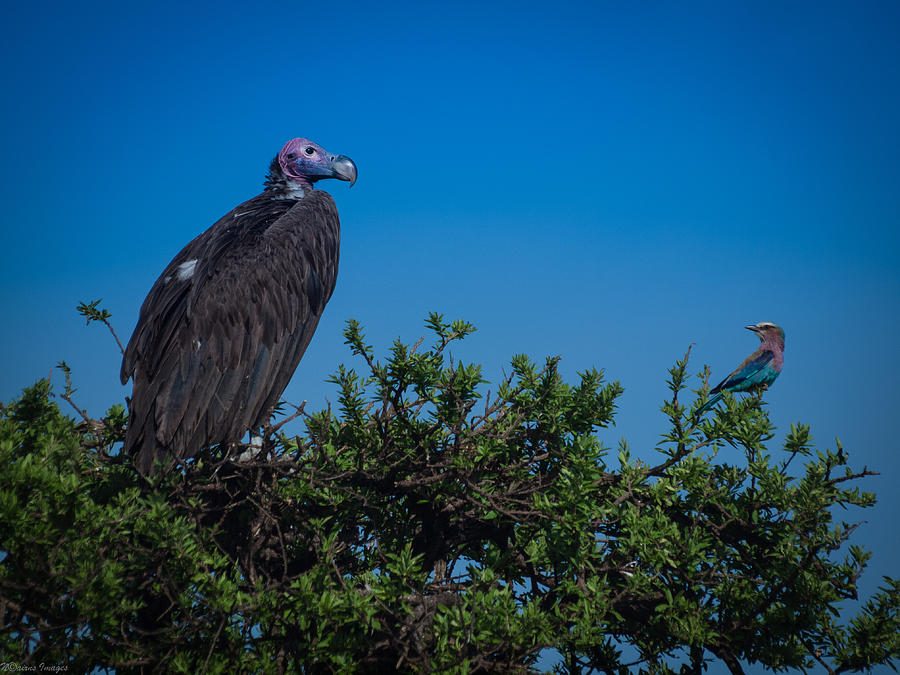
<point x="226" y="324"/>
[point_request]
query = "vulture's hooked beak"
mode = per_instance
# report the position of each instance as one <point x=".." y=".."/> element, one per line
<point x="344" y="168"/>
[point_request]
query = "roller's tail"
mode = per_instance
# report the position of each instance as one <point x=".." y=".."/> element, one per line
<point x="709" y="404"/>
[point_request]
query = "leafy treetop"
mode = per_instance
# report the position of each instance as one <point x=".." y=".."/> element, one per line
<point x="432" y="524"/>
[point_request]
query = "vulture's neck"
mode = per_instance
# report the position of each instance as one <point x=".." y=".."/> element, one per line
<point x="279" y="187"/>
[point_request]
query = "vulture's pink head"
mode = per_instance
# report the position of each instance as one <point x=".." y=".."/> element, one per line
<point x="305" y="162"/>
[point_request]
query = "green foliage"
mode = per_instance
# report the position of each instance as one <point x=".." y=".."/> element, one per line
<point x="90" y="311"/>
<point x="431" y="524"/>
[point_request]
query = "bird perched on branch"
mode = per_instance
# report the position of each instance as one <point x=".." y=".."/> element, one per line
<point x="758" y="370"/>
<point x="226" y="324"/>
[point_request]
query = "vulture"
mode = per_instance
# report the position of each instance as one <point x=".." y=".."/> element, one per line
<point x="224" y="327"/>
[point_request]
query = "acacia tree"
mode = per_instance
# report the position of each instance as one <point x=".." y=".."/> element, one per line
<point x="429" y="524"/>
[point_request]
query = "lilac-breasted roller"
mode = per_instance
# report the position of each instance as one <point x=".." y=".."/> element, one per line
<point x="758" y="370"/>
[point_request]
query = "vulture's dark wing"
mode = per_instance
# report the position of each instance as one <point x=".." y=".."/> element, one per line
<point x="223" y="329"/>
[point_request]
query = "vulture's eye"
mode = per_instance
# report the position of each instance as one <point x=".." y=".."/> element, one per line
<point x="309" y="150"/>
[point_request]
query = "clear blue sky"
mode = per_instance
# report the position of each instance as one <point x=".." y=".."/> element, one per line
<point x="602" y="181"/>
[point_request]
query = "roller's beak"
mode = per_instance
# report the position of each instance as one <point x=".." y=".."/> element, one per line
<point x="344" y="168"/>
<point x="754" y="328"/>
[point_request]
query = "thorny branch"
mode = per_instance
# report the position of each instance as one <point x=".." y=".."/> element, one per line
<point x="514" y="490"/>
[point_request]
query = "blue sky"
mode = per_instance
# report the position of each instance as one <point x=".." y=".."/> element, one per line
<point x="604" y="182"/>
